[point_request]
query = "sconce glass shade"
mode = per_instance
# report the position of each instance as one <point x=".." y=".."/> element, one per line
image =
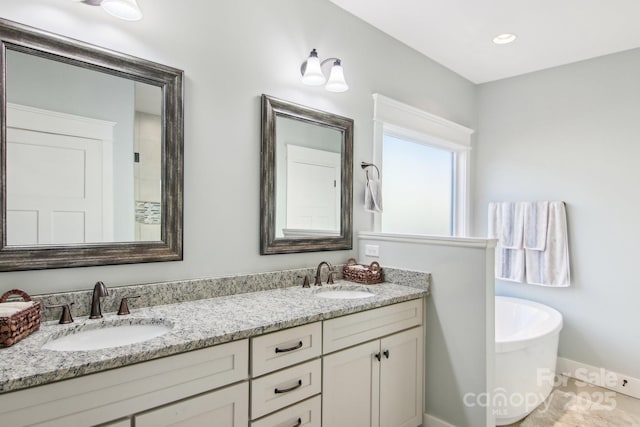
<point x="336" y="82"/>
<point x="123" y="9"/>
<point x="312" y="71"/>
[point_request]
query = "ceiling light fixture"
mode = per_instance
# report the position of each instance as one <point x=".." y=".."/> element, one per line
<point x="505" y="38"/>
<point x="312" y="74"/>
<point x="127" y="10"/>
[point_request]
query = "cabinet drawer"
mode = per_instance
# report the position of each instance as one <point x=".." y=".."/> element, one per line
<point x="285" y="348"/>
<point x="349" y="330"/>
<point x="222" y="408"/>
<point x="303" y="414"/>
<point x="280" y="389"/>
<point x="102" y="396"/>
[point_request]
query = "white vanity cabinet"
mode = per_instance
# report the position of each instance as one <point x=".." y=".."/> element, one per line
<point x="378" y="383"/>
<point x="111" y="395"/>
<point x="359" y="370"/>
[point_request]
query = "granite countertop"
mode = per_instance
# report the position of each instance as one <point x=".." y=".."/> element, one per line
<point x="194" y="325"/>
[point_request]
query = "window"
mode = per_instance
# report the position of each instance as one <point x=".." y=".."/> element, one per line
<point x="424" y="162"/>
<point x="418" y="188"/>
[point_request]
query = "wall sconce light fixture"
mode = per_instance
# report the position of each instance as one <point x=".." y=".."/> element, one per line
<point x="123" y="9"/>
<point x="312" y="74"/>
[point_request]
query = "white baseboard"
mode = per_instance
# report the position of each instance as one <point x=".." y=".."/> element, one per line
<point x="431" y="421"/>
<point x="601" y="377"/>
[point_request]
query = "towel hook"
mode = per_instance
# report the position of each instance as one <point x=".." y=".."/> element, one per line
<point x="365" y="165"/>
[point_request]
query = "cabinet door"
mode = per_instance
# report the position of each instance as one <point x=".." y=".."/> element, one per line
<point x="401" y="379"/>
<point x="350" y="387"/>
<point x="228" y="407"/>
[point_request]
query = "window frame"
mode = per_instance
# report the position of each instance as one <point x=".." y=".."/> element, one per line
<point x="403" y="121"/>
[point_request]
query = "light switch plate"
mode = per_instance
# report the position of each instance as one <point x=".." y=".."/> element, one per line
<point x="372" y="250"/>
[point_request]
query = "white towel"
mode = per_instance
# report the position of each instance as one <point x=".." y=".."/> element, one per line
<point x="536" y="216"/>
<point x="550" y="267"/>
<point x="511" y="225"/>
<point x="7" y="309"/>
<point x="372" y="196"/>
<point x="509" y="263"/>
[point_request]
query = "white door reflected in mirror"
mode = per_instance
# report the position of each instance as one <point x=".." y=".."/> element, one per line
<point x="84" y="155"/>
<point x="308" y="179"/>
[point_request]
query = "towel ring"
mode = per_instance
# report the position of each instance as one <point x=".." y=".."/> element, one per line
<point x="365" y="165"/>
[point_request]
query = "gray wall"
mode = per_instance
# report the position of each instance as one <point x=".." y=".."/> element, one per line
<point x="51" y="85"/>
<point x="232" y="51"/>
<point x="571" y="133"/>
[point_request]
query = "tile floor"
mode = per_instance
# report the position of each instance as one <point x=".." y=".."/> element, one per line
<point x="625" y="406"/>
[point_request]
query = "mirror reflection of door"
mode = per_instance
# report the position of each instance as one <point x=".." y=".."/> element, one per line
<point x="117" y="177"/>
<point x="47" y="202"/>
<point x="313" y="195"/>
<point x="308" y="179"/>
<point x="59" y="178"/>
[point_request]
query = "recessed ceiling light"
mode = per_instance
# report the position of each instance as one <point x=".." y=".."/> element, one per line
<point x="505" y="38"/>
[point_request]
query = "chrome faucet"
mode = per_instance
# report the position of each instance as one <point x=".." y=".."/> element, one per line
<point x="99" y="291"/>
<point x="318" y="280"/>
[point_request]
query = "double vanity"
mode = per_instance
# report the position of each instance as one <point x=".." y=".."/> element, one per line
<point x="232" y="351"/>
<point x="338" y="355"/>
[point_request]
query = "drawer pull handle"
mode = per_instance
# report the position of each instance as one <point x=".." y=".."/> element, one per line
<point x="287" y="390"/>
<point x="284" y="350"/>
<point x="299" y="423"/>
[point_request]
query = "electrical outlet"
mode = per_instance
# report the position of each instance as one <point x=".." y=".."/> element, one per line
<point x="372" y="250"/>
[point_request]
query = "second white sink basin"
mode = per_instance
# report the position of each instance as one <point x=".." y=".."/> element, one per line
<point x="106" y="337"/>
<point x="344" y="292"/>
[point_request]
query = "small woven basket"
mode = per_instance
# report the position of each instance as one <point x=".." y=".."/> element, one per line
<point x="360" y="273"/>
<point x="20" y="324"/>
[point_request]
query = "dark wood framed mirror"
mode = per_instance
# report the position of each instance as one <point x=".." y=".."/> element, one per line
<point x="91" y="154"/>
<point x="306" y="179"/>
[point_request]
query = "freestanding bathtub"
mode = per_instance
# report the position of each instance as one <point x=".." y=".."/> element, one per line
<point x="526" y="351"/>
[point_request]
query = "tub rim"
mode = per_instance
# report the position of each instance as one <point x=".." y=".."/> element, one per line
<point x="556" y="324"/>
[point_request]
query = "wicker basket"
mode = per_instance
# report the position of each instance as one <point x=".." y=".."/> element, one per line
<point x="19" y="325"/>
<point x="360" y="273"/>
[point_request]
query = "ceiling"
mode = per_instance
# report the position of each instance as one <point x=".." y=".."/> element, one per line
<point x="458" y="33"/>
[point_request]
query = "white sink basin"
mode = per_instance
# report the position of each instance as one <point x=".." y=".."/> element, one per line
<point x="106" y="337"/>
<point x="344" y="292"/>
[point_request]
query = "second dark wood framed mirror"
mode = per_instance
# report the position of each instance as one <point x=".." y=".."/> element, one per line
<point x="307" y="179"/>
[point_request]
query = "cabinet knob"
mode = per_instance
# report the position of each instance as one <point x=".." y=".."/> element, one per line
<point x="378" y="356"/>
<point x="386" y="353"/>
